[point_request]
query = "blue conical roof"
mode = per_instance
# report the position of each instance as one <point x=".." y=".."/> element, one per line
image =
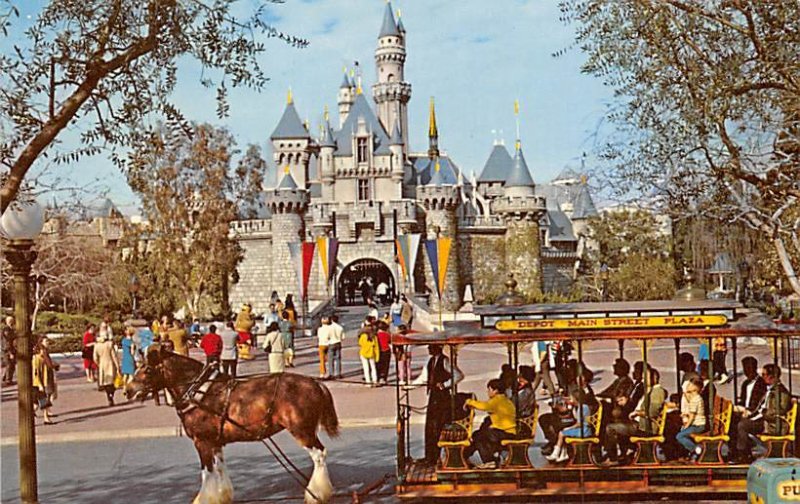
<point x="288" y="182"/>
<point x="397" y="138"/>
<point x="389" y="27"/>
<point x="498" y="166"/>
<point x="400" y="27"/>
<point x="584" y="206"/>
<point x="519" y="176"/>
<point x="345" y="82"/>
<point x="327" y="136"/>
<point x="344" y="136"/>
<point x="290" y="125"/>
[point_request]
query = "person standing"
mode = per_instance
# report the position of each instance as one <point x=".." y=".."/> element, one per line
<point x="271" y="316"/>
<point x="541" y="356"/>
<point x="179" y="338"/>
<point x="407" y="312"/>
<point x="372" y="309"/>
<point x="323" y="340"/>
<point x="385" y="347"/>
<point x="230" y="353"/>
<point x="335" y="340"/>
<point x="128" y="365"/>
<point x="8" y="340"/>
<point x="368" y="353"/>
<point x="211" y="345"/>
<point x="437" y="377"/>
<point x="87" y="353"/>
<point x="287" y="331"/>
<point x="396" y="310"/>
<point x="44" y="377"/>
<point x="402" y="353"/>
<point x="382" y="292"/>
<point x="273" y="346"/>
<point x="105" y="355"/>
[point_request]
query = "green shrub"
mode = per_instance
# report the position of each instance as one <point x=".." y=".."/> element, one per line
<point x="67" y="343"/>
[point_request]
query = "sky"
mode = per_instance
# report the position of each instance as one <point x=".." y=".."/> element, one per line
<point x="475" y="57"/>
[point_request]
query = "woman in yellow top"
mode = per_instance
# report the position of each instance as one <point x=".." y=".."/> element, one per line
<point x="369" y="353"/>
<point x="499" y="425"/>
<point x="44" y="378"/>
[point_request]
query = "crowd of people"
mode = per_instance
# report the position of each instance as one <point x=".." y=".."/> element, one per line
<point x="634" y="405"/>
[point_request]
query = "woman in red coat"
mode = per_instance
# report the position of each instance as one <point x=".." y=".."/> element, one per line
<point x="87" y="352"/>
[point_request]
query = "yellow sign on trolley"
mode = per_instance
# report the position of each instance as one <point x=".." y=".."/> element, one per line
<point x="673" y="321"/>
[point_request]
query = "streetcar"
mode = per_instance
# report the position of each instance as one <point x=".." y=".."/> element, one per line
<point x="648" y="331"/>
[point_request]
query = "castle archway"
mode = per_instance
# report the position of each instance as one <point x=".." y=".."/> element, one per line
<point x="360" y="279"/>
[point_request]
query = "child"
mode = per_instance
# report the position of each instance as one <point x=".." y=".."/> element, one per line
<point x="560" y="453"/>
<point x="693" y="416"/>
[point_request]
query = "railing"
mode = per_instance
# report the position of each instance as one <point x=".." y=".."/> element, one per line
<point x="251" y="227"/>
<point x="482" y="221"/>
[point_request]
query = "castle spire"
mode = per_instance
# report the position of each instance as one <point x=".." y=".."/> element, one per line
<point x="389" y="27"/>
<point x="433" y="133"/>
<point x="289" y="98"/>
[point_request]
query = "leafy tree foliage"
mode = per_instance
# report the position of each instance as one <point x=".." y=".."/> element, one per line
<point x="110" y="66"/>
<point x="190" y="194"/>
<point x="637" y="254"/>
<point x="707" y="111"/>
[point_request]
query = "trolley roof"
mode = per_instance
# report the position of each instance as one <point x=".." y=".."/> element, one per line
<point x="741" y="323"/>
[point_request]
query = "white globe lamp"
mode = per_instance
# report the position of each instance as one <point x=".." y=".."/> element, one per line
<point x="22" y="220"/>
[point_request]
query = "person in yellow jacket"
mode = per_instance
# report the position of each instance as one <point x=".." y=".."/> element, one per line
<point x="244" y="323"/>
<point x="369" y="353"/>
<point x="499" y="425"/>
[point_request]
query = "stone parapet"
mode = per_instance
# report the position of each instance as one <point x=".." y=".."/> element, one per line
<point x="251" y="229"/>
<point x="282" y="201"/>
<point x="444" y="197"/>
<point x="518" y="205"/>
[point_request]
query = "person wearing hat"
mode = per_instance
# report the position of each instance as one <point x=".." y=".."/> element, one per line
<point x="437" y="377"/>
<point x="525" y="395"/>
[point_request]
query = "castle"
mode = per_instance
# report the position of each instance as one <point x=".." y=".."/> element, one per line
<point x="361" y="182"/>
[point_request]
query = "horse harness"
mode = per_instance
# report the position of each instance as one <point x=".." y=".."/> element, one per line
<point x="193" y="398"/>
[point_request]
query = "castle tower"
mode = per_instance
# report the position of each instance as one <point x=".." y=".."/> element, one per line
<point x="291" y="144"/>
<point x="391" y="92"/>
<point x="398" y="159"/>
<point x="327" y="145"/>
<point x="521" y="210"/>
<point x="288" y="204"/>
<point x="346" y="97"/>
<point x="441" y="201"/>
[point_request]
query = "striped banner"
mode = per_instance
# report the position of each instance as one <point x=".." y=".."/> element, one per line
<point x="302" y="257"/>
<point x="328" y="248"/>
<point x="438" y="254"/>
<point x="407" y="248"/>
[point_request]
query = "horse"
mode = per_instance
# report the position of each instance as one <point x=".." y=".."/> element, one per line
<point x="216" y="410"/>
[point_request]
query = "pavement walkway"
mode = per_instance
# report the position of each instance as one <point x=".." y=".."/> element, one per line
<point x="84" y="416"/>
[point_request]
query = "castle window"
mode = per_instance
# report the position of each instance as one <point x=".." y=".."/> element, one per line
<point x="363" y="190"/>
<point x="362" y="150"/>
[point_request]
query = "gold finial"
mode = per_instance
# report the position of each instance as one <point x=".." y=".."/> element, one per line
<point x="516" y="107"/>
<point x="583" y="179"/>
<point x="437" y="167"/>
<point x="325" y="113"/>
<point x="358" y="88"/>
<point x="432" y="130"/>
<point x="518" y="144"/>
<point x="399" y="13"/>
<point x="286" y="170"/>
<point x="306" y="123"/>
<point x="289" y="97"/>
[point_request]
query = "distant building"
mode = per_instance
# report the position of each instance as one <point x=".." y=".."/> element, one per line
<point x="99" y="224"/>
<point x="361" y="182"/>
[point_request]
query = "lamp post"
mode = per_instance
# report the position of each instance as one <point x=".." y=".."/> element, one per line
<point x="604" y="280"/>
<point x="22" y="222"/>
<point x="133" y="287"/>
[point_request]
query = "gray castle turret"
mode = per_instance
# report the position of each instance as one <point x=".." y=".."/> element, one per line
<point x="362" y="182"/>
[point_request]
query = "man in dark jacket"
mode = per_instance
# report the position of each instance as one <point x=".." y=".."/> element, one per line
<point x="437" y="377"/>
<point x="766" y="417"/>
<point x="750" y="396"/>
<point x="9" y="350"/>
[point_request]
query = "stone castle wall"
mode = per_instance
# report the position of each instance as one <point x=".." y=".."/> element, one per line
<point x="523" y="257"/>
<point x="255" y="275"/>
<point x="482" y="258"/>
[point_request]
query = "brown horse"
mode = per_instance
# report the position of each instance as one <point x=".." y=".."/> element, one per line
<point x="216" y="410"/>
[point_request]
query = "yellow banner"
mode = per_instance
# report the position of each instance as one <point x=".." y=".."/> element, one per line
<point x="675" y="321"/>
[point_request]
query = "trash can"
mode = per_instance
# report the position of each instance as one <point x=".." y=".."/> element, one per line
<point x="770" y="481"/>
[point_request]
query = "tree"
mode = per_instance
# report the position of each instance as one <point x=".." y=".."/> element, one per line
<point x="636" y="251"/>
<point x="111" y="66"/>
<point x="190" y="194"/>
<point x="707" y="107"/>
